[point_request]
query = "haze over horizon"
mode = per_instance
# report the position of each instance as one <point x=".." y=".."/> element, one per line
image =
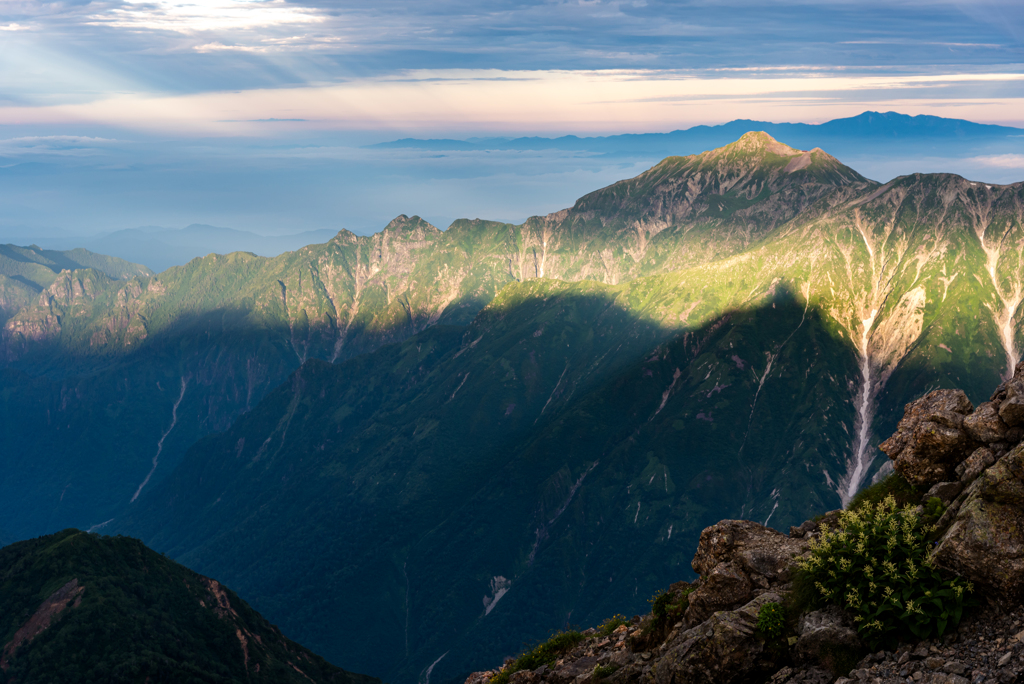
<point x="255" y="114"/>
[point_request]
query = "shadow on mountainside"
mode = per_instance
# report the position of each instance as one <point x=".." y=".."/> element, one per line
<point x="553" y="463"/>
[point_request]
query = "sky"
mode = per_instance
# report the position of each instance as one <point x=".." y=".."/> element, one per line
<point x="255" y="114"/>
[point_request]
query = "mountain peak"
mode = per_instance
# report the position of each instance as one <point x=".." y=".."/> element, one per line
<point x="759" y="141"/>
<point x="408" y="224"/>
<point x="757" y="151"/>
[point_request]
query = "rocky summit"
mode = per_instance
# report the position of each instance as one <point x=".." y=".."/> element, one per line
<point x="964" y="463"/>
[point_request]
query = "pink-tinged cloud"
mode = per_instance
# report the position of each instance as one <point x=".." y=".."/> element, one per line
<point x="546" y="101"/>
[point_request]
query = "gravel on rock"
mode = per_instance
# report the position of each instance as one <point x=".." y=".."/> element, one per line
<point x="987" y="648"/>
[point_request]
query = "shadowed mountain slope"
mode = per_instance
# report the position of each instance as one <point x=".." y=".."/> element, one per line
<point x="512" y="460"/>
<point x="76" y="607"/>
<point x="561" y="441"/>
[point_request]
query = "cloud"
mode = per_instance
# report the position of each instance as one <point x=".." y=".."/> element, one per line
<point x="56" y="146"/>
<point x="191" y="17"/>
<point x="1000" y="161"/>
<point x="544" y="102"/>
<point x="197" y="64"/>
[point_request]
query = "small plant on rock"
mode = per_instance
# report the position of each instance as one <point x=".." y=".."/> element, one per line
<point x="771" y="620"/>
<point x="876" y="566"/>
<point x="611" y="624"/>
<point x="544" y="654"/>
<point x="934" y="508"/>
<point x="668" y="604"/>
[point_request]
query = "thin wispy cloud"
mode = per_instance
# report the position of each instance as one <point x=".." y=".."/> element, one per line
<point x="198" y="17"/>
<point x="1002" y="161"/>
<point x="544" y="102"/>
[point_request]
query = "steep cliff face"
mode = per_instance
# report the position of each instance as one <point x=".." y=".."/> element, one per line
<point x="25" y="271"/>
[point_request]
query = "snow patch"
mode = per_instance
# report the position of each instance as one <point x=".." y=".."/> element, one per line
<point x="160" y="444"/>
<point x="430" y="669"/>
<point x="499" y="587"/>
<point x="665" y="395"/>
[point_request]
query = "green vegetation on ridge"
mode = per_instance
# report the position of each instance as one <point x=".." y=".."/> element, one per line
<point x="78" y="608"/>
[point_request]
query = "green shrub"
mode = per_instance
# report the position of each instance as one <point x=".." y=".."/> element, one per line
<point x="894" y="485"/>
<point x="771" y="620"/>
<point x="876" y="566"/>
<point x="934" y="508"/>
<point x="543" y="654"/>
<point x="602" y="671"/>
<point x="663" y="608"/>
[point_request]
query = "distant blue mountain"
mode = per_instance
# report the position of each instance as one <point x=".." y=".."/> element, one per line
<point x="160" y="248"/>
<point x="839" y="136"/>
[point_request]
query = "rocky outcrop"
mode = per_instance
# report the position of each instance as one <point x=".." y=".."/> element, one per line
<point x="722" y="650"/>
<point x="985" y="542"/>
<point x="930" y="440"/>
<point x="737" y="560"/>
<point x="743" y="566"/>
<point x="943" y="438"/>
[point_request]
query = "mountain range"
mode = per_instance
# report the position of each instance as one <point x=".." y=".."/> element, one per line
<point x="462" y="437"/>
<point x="882" y="133"/>
<point x="160" y="248"/>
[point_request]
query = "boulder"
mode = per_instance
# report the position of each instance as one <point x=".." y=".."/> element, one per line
<point x="757" y="549"/>
<point x="573" y="670"/>
<point x="985" y="425"/>
<point x="930" y="440"/>
<point x="736" y="559"/>
<point x="985" y="542"/>
<point x="482" y="677"/>
<point x="1012" y="411"/>
<point x="725" y="649"/>
<point x="827" y="638"/>
<point x="975" y="464"/>
<point x="945" y="491"/>
<point x="725" y="587"/>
